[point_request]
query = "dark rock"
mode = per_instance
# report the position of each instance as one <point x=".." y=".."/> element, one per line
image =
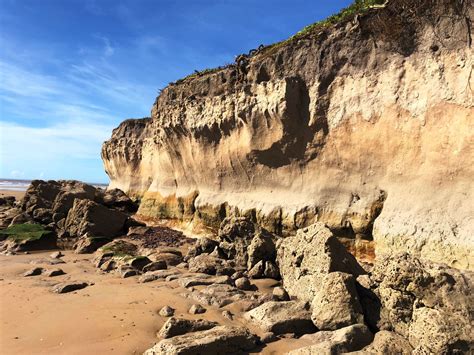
<point x="54" y="272"/>
<point x="34" y="272"/>
<point x="69" y="287"/>
<point x="243" y="284"/>
<point x="257" y="272"/>
<point x="154" y="266"/>
<point x="197" y="309"/>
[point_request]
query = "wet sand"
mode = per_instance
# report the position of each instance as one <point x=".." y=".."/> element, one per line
<point x="114" y="315"/>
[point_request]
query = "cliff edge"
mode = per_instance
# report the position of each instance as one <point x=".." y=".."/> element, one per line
<point x="365" y="124"/>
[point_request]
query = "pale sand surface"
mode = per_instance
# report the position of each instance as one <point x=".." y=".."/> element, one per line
<point x="114" y="315"/>
<point x="18" y="194"/>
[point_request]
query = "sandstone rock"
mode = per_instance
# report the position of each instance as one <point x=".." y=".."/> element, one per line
<point x="171" y="259"/>
<point x="55" y="272"/>
<point x="202" y="246"/>
<point x="227" y="314"/>
<point x="69" y="286"/>
<point x="178" y="326"/>
<point x="203" y="279"/>
<point x="218" y="295"/>
<point x="438" y="332"/>
<point x="305" y="259"/>
<point x="117" y="199"/>
<point x="243" y="284"/>
<point x="405" y="283"/>
<point x="127" y="271"/>
<point x="282" y="317"/>
<point x="386" y="342"/>
<point x="236" y="234"/>
<point x="258" y="271"/>
<point x="34" y="272"/>
<point x="280" y="294"/>
<point x="157" y="275"/>
<point x="218" y="340"/>
<point x="139" y="262"/>
<point x="197" y="309"/>
<point x="167" y="311"/>
<point x="344" y="340"/>
<point x="89" y="244"/>
<point x="19" y="218"/>
<point x="271" y="271"/>
<point x="56" y="255"/>
<point x="155" y="265"/>
<point x="7" y="200"/>
<point x="86" y="216"/>
<point x="262" y="247"/>
<point x="268" y="337"/>
<point x="336" y="303"/>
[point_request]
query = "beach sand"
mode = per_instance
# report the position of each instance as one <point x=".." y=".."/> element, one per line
<point x="114" y="315"/>
<point x="18" y="194"/>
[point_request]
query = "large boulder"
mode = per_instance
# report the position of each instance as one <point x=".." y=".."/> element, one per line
<point x="45" y="199"/>
<point x="429" y="304"/>
<point x="87" y="216"/>
<point x="306" y="258"/>
<point x="336" y="303"/>
<point x="341" y="341"/>
<point x="282" y="317"/>
<point x="218" y="340"/>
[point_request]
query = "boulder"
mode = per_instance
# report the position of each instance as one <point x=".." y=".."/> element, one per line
<point x="167" y="311"/>
<point x="155" y="265"/>
<point x="69" y="286"/>
<point x="282" y="317"/>
<point x="56" y="255"/>
<point x="33" y="272"/>
<point x="178" y="326"/>
<point x="243" y="283"/>
<point x="280" y="294"/>
<point x="88" y="244"/>
<point x="218" y="295"/>
<point x="27" y="237"/>
<point x="262" y="247"/>
<point x="386" y="342"/>
<point x="429" y="304"/>
<point x="196" y="309"/>
<point x="218" y="340"/>
<point x="202" y="246"/>
<point x="258" y="271"/>
<point x="86" y="216"/>
<point x="235" y="236"/>
<point x="190" y="280"/>
<point x="341" y="341"/>
<point x="304" y="260"/>
<point x="7" y="201"/>
<point x="117" y="199"/>
<point x="55" y="272"/>
<point x="336" y="303"/>
<point x="171" y="259"/>
<point x="157" y="275"/>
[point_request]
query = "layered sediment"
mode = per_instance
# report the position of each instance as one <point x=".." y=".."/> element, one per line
<point x="365" y="126"/>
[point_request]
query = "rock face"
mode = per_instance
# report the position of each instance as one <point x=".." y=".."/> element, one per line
<point x="363" y="126"/>
<point x="305" y="259"/>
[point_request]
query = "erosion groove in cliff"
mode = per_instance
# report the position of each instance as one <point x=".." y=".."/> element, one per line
<point x="364" y="125"/>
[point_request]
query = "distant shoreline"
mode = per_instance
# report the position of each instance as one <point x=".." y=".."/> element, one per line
<point x="21" y="185"/>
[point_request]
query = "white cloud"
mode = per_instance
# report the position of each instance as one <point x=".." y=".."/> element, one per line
<point x="16" y="174"/>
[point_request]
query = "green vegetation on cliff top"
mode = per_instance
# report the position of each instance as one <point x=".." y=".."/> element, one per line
<point x="357" y="7"/>
<point x="20" y="232"/>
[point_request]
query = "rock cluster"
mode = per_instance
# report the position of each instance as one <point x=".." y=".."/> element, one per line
<point x="78" y="213"/>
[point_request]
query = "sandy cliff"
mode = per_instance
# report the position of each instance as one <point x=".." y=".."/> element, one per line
<point x="365" y="125"/>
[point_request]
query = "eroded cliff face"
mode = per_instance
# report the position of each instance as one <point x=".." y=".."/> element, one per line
<point x="365" y="126"/>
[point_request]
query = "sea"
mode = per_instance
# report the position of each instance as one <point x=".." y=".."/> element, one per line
<point x="22" y="185"/>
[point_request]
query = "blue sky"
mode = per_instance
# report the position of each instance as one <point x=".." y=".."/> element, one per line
<point x="72" y="70"/>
